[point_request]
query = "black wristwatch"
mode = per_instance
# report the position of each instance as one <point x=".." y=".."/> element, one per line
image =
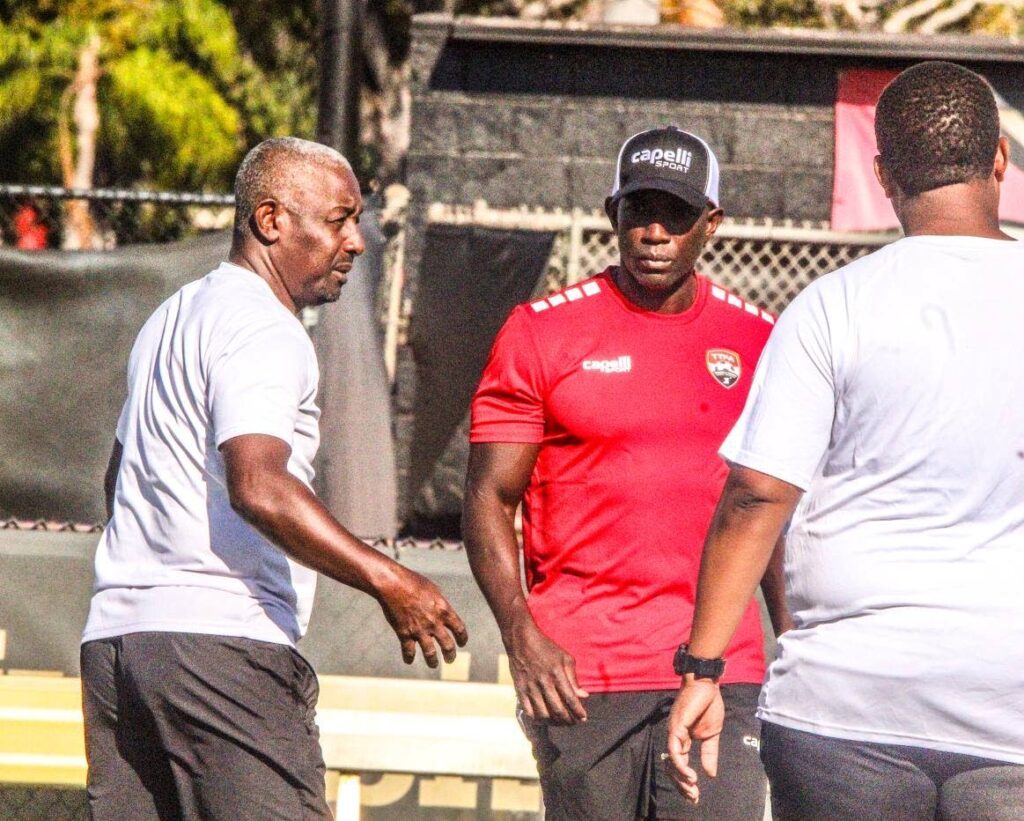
<point x="684" y="663"/>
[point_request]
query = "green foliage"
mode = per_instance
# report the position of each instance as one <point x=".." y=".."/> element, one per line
<point x="36" y="64"/>
<point x="274" y="86"/>
<point x="1004" y="21"/>
<point x="165" y="123"/>
<point x="181" y="95"/>
<point x="19" y="93"/>
<point x="769" y="13"/>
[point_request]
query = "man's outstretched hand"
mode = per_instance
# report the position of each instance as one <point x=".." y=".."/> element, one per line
<point x="420" y="615"/>
<point x="697" y="714"/>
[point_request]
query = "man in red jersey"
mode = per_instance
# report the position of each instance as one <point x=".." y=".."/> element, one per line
<point x="601" y="409"/>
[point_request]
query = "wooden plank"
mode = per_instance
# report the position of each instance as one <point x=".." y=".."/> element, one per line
<point x="423" y="727"/>
<point x="41" y="737"/>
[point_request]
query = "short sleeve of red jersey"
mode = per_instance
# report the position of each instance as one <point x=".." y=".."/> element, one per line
<point x="509" y="402"/>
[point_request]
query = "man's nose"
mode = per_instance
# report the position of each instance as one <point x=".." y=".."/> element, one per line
<point x="355" y="244"/>
<point x="655" y="232"/>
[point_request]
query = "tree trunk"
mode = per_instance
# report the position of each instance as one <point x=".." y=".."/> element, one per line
<point x="701" y="14"/>
<point x="79" y="229"/>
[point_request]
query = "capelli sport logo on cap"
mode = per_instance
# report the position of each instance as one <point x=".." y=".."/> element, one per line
<point x="678" y="159"/>
<point x="670" y="160"/>
<point x="724" y="365"/>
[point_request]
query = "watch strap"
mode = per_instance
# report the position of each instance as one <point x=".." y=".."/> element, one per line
<point x="684" y="664"/>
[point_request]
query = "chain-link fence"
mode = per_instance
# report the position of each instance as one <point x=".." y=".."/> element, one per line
<point x="34" y="217"/>
<point x="38" y="217"/>
<point x="393" y="547"/>
<point x="766" y="262"/>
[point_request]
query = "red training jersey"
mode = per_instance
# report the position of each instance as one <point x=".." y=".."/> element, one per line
<point x="630" y="408"/>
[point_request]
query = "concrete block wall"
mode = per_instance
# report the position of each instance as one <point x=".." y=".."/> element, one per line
<point x="543" y="124"/>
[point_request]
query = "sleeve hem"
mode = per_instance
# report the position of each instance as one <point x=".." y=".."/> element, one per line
<point x="244" y="430"/>
<point x="768" y="466"/>
<point x="507" y="434"/>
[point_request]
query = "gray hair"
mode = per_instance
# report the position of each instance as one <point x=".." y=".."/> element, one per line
<point x="274" y="168"/>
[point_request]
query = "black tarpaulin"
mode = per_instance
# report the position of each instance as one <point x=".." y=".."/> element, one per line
<point x="356" y="475"/>
<point x="470" y="278"/>
<point x="67" y="323"/>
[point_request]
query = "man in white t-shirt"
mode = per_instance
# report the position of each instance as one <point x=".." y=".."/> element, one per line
<point x="887" y="420"/>
<point x="196" y="702"/>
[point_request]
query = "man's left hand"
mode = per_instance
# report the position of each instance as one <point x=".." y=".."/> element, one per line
<point x="698" y="713"/>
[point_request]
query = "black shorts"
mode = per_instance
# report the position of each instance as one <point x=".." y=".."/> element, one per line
<point x="609" y="767"/>
<point x="815" y="777"/>
<point x="191" y="726"/>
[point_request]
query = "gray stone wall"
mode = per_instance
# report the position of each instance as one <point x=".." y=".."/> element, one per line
<point x="557" y="153"/>
<point x="553" y="142"/>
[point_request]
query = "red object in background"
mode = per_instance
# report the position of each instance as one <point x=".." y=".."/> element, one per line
<point x="31" y="234"/>
<point x="858" y="203"/>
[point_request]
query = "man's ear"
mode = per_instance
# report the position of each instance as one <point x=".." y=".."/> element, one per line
<point x="263" y="221"/>
<point x="1002" y="160"/>
<point x="715" y="216"/>
<point x="611" y="208"/>
<point x="884" y="177"/>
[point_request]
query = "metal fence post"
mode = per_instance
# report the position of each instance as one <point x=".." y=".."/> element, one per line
<point x="572" y="270"/>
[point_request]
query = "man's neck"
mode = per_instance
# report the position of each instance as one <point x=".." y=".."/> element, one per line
<point x="675" y="301"/>
<point x="244" y="255"/>
<point x="964" y="210"/>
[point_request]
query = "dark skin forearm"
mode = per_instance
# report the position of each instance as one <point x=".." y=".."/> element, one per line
<point x="543" y="673"/>
<point x="284" y="510"/>
<point x="495" y="483"/>
<point x="773" y="588"/>
<point x="742" y="539"/>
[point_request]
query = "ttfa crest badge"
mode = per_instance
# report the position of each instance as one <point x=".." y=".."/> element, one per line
<point x="724" y="365"/>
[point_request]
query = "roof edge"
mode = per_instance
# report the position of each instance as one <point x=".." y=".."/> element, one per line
<point x="776" y="41"/>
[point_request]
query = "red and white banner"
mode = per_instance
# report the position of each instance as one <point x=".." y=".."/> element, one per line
<point x="858" y="203"/>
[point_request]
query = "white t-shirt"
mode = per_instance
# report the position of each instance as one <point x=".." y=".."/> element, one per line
<point x="220" y="358"/>
<point x="891" y="391"/>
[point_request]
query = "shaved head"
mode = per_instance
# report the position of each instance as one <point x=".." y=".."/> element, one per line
<point x="279" y="169"/>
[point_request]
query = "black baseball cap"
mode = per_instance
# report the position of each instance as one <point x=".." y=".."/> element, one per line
<point x="667" y="159"/>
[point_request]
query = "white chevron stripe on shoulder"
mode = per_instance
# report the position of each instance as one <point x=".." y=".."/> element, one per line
<point x="725" y="296"/>
<point x="571" y="294"/>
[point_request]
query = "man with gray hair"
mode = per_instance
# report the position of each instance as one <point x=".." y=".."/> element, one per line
<point x="196" y="702"/>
